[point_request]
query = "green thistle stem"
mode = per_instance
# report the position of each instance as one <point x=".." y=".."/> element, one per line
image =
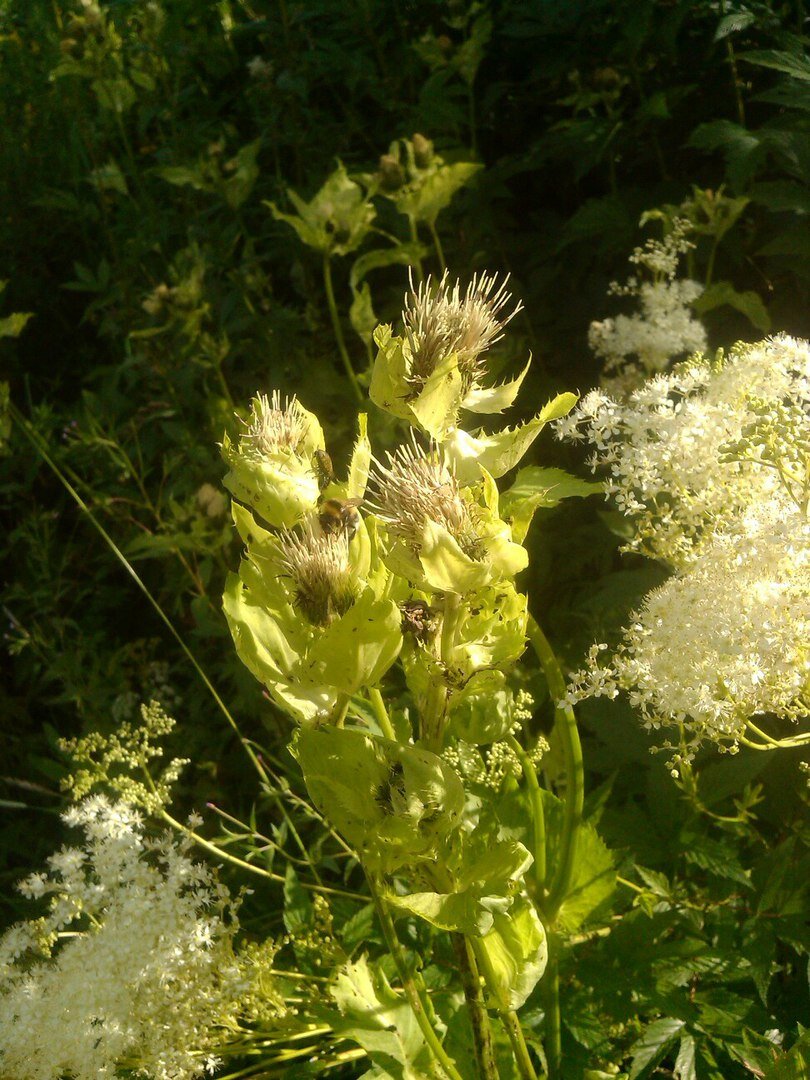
<point x="508" y="1016"/>
<point x="420" y="274"/>
<point x="418" y="1006"/>
<point x="479" y="1017"/>
<point x="551" y="1001"/>
<point x="434" y="711"/>
<point x="437" y="245"/>
<point x="566" y="727"/>
<point x="381" y="713"/>
<point x="538" y="813"/>
<point x="341" y="341"/>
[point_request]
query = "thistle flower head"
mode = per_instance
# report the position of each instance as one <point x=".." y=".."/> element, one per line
<point x="272" y="467"/>
<point x="275" y="424"/>
<point x="444" y="321"/>
<point x="323" y="582"/>
<point x="418" y="485"/>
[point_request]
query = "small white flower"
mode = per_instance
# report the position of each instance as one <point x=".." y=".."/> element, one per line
<point x="34" y="886"/>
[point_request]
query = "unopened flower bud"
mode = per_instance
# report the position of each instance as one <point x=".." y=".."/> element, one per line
<point x="271" y="469"/>
<point x="391" y="175"/>
<point x="422" y="150"/>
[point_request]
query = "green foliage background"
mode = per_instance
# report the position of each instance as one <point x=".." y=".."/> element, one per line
<point x="140" y="153"/>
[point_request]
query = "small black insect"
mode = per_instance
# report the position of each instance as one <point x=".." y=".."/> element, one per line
<point x="418" y="618"/>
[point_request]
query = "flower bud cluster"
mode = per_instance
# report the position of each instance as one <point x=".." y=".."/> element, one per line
<point x="317" y="609"/>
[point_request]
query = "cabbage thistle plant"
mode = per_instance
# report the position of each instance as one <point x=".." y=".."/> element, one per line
<point x="379" y="610"/>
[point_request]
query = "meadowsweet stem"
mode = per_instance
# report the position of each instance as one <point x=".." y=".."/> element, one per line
<point x="566" y="726"/>
<point x="479" y="1018"/>
<point x="418" y="1006"/>
<point x="341" y="341"/>
<point x="226" y="856"/>
<point x="538" y="815"/>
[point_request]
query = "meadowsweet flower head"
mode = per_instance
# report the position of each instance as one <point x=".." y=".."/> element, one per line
<point x="664" y="329"/>
<point x="442" y="321"/>
<point x="323" y="581"/>
<point x="689" y="452"/>
<point x="635" y="346"/>
<point x="146" y="979"/>
<point x="272" y="467"/>
<point x="118" y="761"/>
<point x="724" y="643"/>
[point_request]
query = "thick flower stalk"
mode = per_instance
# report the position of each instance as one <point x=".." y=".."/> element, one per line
<point x="411" y="560"/>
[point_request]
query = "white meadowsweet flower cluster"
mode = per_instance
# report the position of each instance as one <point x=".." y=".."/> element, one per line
<point x="132" y="966"/>
<point x="712" y="465"/>
<point x="635" y="346"/>
<point x="726" y="641"/>
<point x="664" y="453"/>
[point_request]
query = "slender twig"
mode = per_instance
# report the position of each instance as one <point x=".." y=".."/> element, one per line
<point x="226" y="856"/>
<point x="34" y="438"/>
<point x="341" y="341"/>
<point x="437" y="245"/>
